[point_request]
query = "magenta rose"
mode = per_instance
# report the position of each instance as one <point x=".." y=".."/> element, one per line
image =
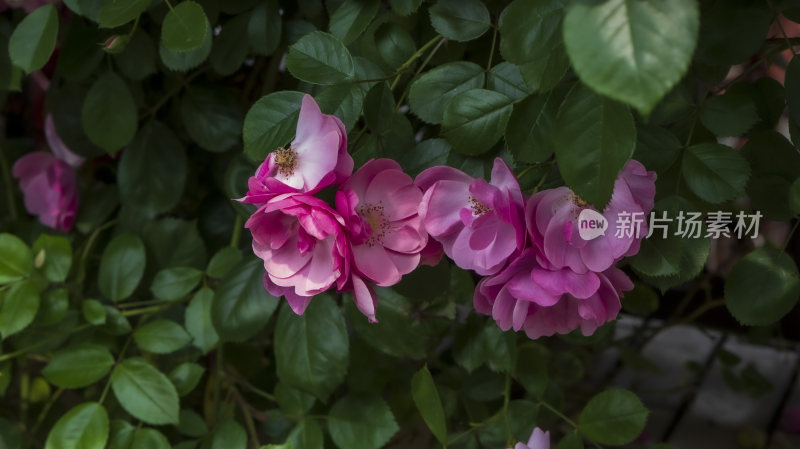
<point x="303" y="245"/>
<point x="544" y="300"/>
<point x="479" y="224"/>
<point x="316" y="158"/>
<point x="379" y="204"/>
<point x="552" y="216"/>
<point x="50" y="188"/>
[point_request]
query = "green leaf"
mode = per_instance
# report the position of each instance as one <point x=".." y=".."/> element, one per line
<point x="121" y="435"/>
<point x="121" y="267"/>
<point x="530" y="29"/>
<point x="264" y="28"/>
<point x="529" y="134"/>
<point x="213" y="117"/>
<point x="16" y="259"/>
<point x="83" y="427"/>
<point x="614" y="417"/>
<point x="138" y="61"/>
<point x="18" y="308"/>
<point x="185" y="27"/>
<point x="344" y="100"/>
<point x="231" y="46"/>
<point x="34" y="39"/>
<point x="426" y="397"/>
<point x="352" y="17"/>
<point x="400" y="333"/>
<point x="144" y="392"/>
<point x="57" y="256"/>
<point x="405" y="7"/>
<point x="158" y="156"/>
<point x="79" y="53"/>
<point x="531" y="369"/>
<point x="174" y="243"/>
<point x="730" y="114"/>
<point x="198" y="320"/>
<point x="119" y="12"/>
<point x="394" y="44"/>
<point x="229" y="435"/>
<point x="361" y="421"/>
<point x="10" y="437"/>
<point x="475" y="120"/>
<point x="241" y="306"/>
<point x="530" y="33"/>
<point x="192" y="424"/>
<point x="792" y="84"/>
<point x="307" y="434"/>
<point x="656" y="148"/>
<point x="481" y="343"/>
<point x="320" y="58"/>
<point x="311" y="350"/>
<point x="379" y="108"/>
<point x="293" y="401"/>
<point x="270" y="123"/>
<point x="185" y="377"/>
<point x="161" y="337"/>
<point x="93" y="312"/>
<point x="426" y="154"/>
<point x="572" y="441"/>
<point x="182" y="61"/>
<point x="460" y="20"/>
<point x="223" y="261"/>
<point x="714" y="172"/>
<point x="762" y="287"/>
<point x="594" y="138"/>
<point x="617" y="47"/>
<point x="506" y="78"/>
<point x="78" y="366"/>
<point x="53" y="307"/>
<point x="109" y="114"/>
<point x="642" y="300"/>
<point x="516" y="424"/>
<point x="149" y="439"/>
<point x="430" y="94"/>
<point x="794" y="196"/>
<point x="175" y="283"/>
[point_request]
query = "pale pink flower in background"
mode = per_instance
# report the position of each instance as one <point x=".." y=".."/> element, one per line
<point x="303" y="245"/>
<point x="538" y="440"/>
<point x="544" y="300"/>
<point x="50" y="188"/>
<point x="379" y="204"/>
<point x="57" y="146"/>
<point x="551" y="217"/>
<point x="316" y="158"/>
<point x="479" y="224"/>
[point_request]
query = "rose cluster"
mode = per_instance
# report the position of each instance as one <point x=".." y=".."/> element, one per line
<point x="372" y="235"/>
<point x="539" y="275"/>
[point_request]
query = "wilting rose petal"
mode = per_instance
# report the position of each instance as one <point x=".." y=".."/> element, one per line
<point x="49" y="187"/>
<point x="480" y="225"/>
<point x="316" y="158"/>
<point x="57" y="146"/>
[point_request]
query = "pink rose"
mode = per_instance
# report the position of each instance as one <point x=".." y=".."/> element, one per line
<point x="551" y="217"/>
<point x="538" y="440"/>
<point x="57" y="146"/>
<point x="303" y="245"/>
<point x="542" y="299"/>
<point x="479" y="224"/>
<point x="379" y="204"/>
<point x="316" y="158"/>
<point x="50" y="188"/>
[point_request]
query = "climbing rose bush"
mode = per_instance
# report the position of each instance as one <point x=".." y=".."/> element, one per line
<point x="364" y="224"/>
